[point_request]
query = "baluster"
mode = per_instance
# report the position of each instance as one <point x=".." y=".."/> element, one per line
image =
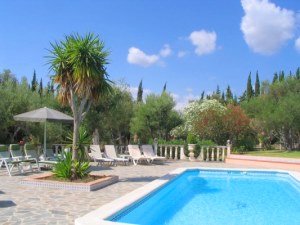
<point x="212" y="154"/>
<point x="166" y="151"/>
<point x="182" y="155"/>
<point x="56" y="150"/>
<point x="223" y="154"/>
<point x="207" y="153"/>
<point x="218" y="154"/>
<point x="202" y="154"/>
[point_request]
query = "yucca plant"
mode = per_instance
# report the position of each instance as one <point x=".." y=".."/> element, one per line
<point x="74" y="169"/>
<point x="70" y="169"/>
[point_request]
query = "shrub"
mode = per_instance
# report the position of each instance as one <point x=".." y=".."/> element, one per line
<point x="70" y="169"/>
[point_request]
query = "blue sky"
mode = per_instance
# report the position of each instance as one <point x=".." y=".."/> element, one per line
<point x="192" y="45"/>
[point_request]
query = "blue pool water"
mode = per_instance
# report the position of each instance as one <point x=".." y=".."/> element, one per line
<point x="219" y="197"/>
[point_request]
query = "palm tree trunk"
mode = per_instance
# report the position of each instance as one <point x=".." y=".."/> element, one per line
<point x="75" y="138"/>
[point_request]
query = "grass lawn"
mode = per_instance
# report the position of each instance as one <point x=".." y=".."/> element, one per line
<point x="275" y="153"/>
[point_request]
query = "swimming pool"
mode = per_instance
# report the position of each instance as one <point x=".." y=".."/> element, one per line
<point x="215" y="197"/>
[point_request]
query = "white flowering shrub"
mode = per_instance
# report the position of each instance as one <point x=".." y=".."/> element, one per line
<point x="193" y="111"/>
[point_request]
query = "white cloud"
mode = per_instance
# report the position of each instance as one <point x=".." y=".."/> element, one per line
<point x="297" y="44"/>
<point x="181" y="54"/>
<point x="204" y="41"/>
<point x="138" y="57"/>
<point x="166" y="51"/>
<point x="266" y="27"/>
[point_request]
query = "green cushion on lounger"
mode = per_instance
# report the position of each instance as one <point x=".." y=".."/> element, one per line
<point x="3" y="148"/>
<point x="15" y="147"/>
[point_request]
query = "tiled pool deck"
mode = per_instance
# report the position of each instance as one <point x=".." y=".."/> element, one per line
<point x="22" y="205"/>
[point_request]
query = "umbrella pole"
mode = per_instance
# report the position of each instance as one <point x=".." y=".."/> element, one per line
<point x="45" y="145"/>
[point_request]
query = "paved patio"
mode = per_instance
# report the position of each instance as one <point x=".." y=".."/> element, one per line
<point x="22" y="205"/>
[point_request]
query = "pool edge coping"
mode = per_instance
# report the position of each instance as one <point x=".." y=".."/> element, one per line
<point x="98" y="216"/>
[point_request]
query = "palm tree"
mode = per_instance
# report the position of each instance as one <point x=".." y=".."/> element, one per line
<point x="80" y="74"/>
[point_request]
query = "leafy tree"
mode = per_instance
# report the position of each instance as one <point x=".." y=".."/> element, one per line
<point x="210" y="120"/>
<point x="79" y="66"/>
<point x="140" y="92"/>
<point x="111" y="116"/>
<point x="257" y="86"/>
<point x="34" y="82"/>
<point x="203" y="119"/>
<point x="249" y="93"/>
<point x="277" y="111"/>
<point x="8" y="77"/>
<point x="156" y="118"/>
<point x="17" y="98"/>
<point x="237" y="126"/>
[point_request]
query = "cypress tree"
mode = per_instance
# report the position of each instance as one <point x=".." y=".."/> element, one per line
<point x="235" y="100"/>
<point x="275" y="78"/>
<point x="48" y="88"/>
<point x="243" y="97"/>
<point x="249" y="93"/>
<point x="218" y="92"/>
<point x="257" y="85"/>
<point x="298" y="73"/>
<point x="41" y="88"/>
<point x="223" y="97"/>
<point x="140" y="92"/>
<point x="165" y="88"/>
<point x="229" y="95"/>
<point x="281" y="76"/>
<point x="34" y="82"/>
<point x="52" y="87"/>
<point x="202" y="95"/>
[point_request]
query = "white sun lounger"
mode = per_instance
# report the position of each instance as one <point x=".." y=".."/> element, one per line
<point x="17" y="155"/>
<point x="7" y="161"/>
<point x="136" y="155"/>
<point x="110" y="152"/>
<point x="97" y="156"/>
<point x="148" y="152"/>
<point x="31" y="152"/>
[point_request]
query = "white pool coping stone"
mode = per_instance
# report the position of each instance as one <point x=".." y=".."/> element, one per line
<point x="98" y="216"/>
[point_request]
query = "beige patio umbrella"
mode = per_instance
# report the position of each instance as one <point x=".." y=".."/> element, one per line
<point x="43" y="115"/>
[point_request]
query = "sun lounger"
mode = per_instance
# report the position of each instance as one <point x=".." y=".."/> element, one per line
<point x="31" y="152"/>
<point x="136" y="155"/>
<point x="17" y="155"/>
<point x="97" y="156"/>
<point x="50" y="156"/>
<point x="148" y="152"/>
<point x="7" y="161"/>
<point x="110" y="152"/>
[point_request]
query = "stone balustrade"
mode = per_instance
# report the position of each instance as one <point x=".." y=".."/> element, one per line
<point x="212" y="153"/>
<point x="175" y="152"/>
<point x="206" y="153"/>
